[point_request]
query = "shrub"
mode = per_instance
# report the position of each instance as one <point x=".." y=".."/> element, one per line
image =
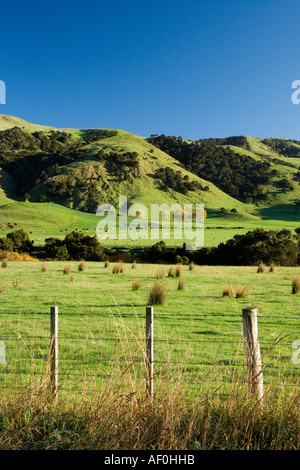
<point x="296" y="285"/>
<point x="119" y="268"/>
<point x="261" y="268"/>
<point x="158" y="293"/>
<point x="81" y="266"/>
<point x="136" y="284"/>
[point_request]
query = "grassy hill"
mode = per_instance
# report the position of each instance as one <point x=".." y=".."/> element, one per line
<point x="74" y="170"/>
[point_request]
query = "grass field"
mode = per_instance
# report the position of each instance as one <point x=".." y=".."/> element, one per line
<point x="102" y="323"/>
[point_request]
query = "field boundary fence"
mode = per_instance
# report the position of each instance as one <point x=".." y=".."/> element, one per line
<point x="254" y="363"/>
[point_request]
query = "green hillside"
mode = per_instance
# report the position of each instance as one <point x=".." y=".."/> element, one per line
<point x="52" y="180"/>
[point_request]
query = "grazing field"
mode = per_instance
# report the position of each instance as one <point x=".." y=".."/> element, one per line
<point x="200" y="396"/>
<point x="102" y="320"/>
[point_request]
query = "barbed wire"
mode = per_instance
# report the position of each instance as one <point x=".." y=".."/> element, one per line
<point x="156" y="315"/>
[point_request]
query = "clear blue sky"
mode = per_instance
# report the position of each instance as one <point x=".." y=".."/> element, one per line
<point x="191" y="68"/>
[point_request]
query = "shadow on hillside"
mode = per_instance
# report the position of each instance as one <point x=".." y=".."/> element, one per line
<point x="288" y="212"/>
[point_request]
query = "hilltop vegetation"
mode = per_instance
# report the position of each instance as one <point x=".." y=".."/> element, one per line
<point x="56" y="178"/>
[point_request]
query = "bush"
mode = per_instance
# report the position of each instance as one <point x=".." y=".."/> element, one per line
<point x="158" y="293"/>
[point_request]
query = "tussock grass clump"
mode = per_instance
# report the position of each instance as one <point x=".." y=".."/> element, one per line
<point x="261" y="268"/>
<point x="118" y="268"/>
<point x="72" y="278"/>
<point x="181" y="284"/>
<point x="243" y="292"/>
<point x="106" y="264"/>
<point x="2" y="289"/>
<point x="158" y="293"/>
<point x="160" y="274"/>
<point x="272" y="268"/>
<point x="136" y="284"/>
<point x="81" y="266"/>
<point x="229" y="291"/>
<point x="175" y="271"/>
<point x="296" y="285"/>
<point x="4" y="263"/>
<point x="134" y="265"/>
<point x="67" y="269"/>
<point x="191" y="266"/>
<point x="236" y="292"/>
<point x="44" y="268"/>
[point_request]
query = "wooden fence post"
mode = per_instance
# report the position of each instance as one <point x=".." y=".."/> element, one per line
<point x="252" y="349"/>
<point x="149" y="351"/>
<point x="54" y="351"/>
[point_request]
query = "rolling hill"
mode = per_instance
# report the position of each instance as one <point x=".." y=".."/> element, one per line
<point x="54" y="179"/>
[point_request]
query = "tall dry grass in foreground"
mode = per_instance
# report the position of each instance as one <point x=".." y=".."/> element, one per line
<point x="120" y="415"/>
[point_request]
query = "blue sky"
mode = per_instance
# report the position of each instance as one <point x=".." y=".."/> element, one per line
<point x="192" y="68"/>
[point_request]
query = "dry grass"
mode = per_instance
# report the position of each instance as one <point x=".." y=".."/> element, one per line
<point x="67" y="269"/>
<point x="236" y="292"/>
<point x="175" y="271"/>
<point x="81" y="266"/>
<point x="118" y="268"/>
<point x="243" y="292"/>
<point x="106" y="264"/>
<point x="191" y="266"/>
<point x="229" y="291"/>
<point x="181" y="284"/>
<point x="121" y="415"/>
<point x="44" y="268"/>
<point x="272" y="268"/>
<point x="160" y="274"/>
<point x="296" y="285"/>
<point x="4" y="263"/>
<point x="134" y="265"/>
<point x="136" y="284"/>
<point x="158" y="293"/>
<point x="261" y="268"/>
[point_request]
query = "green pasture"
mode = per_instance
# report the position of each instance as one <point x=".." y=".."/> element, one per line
<point x="102" y="323"/>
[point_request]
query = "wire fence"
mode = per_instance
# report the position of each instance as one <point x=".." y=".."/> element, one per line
<point x="126" y="348"/>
